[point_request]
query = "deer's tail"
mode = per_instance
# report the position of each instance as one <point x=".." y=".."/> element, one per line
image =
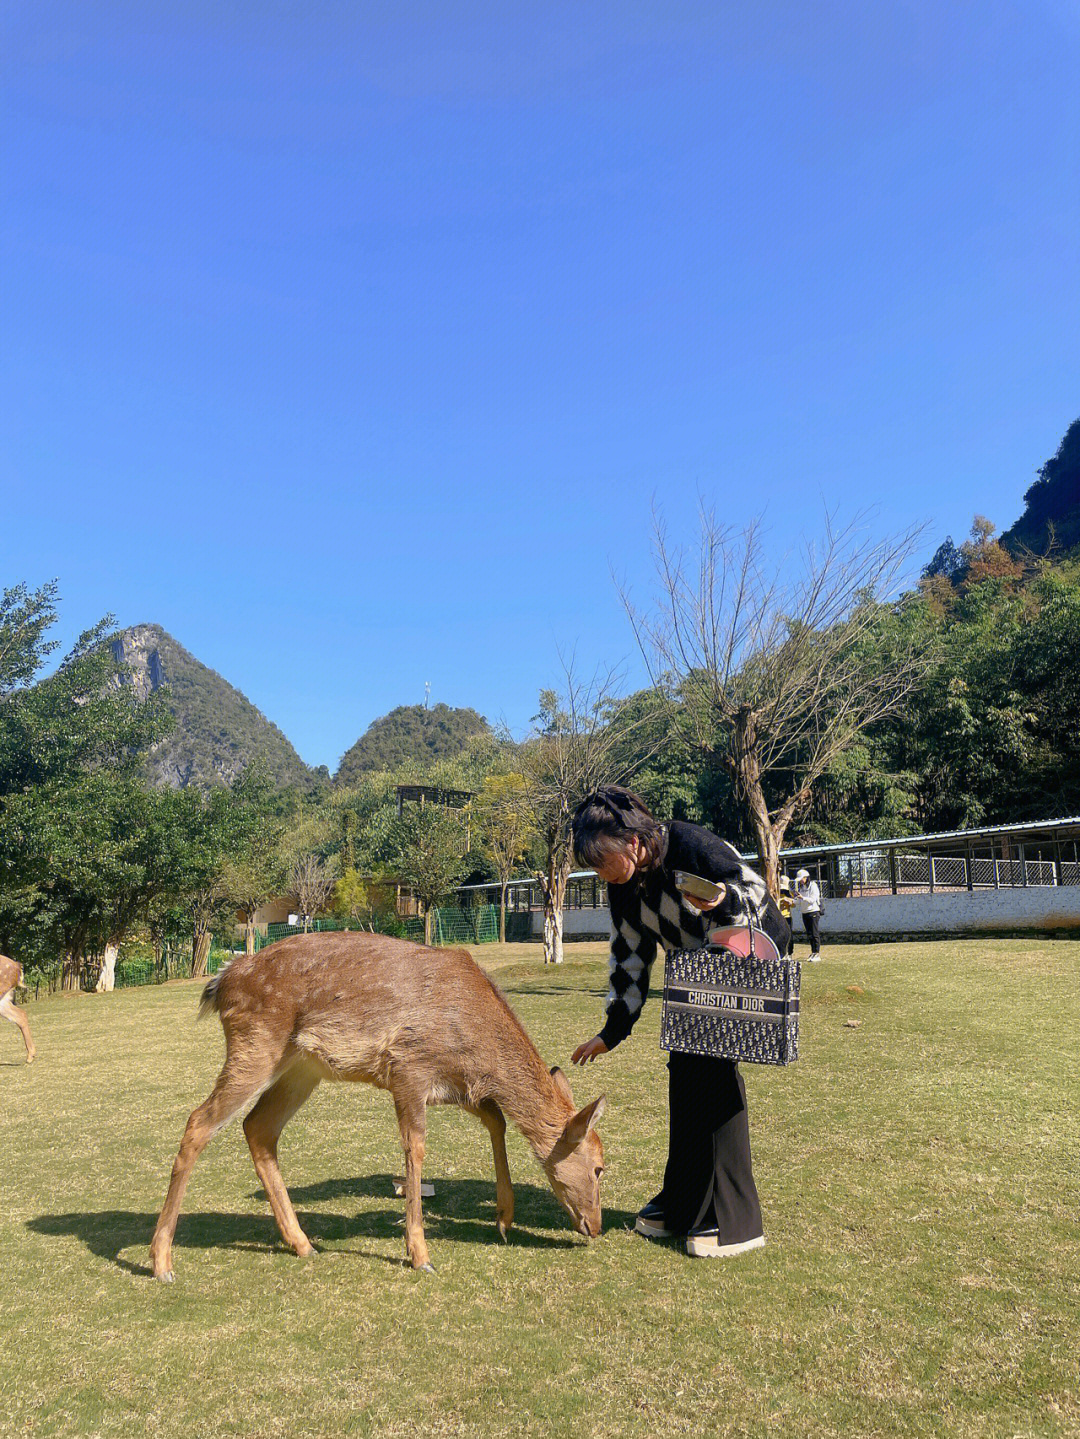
<point x="209" y="999"/>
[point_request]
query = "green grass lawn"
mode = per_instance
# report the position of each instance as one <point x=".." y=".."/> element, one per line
<point x="919" y="1173"/>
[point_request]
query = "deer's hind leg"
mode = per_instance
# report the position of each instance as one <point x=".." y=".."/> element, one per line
<point x="10" y="1010"/>
<point x="491" y="1117"/>
<point x="245" y="1074"/>
<point x="263" y="1127"/>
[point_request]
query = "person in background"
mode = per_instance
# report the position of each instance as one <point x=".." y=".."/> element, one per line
<point x="709" y="1195"/>
<point x="808" y="895"/>
<point x="786" y="904"/>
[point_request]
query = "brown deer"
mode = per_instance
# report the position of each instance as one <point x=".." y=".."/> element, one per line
<point x="426" y="1024"/>
<point x="11" y="975"/>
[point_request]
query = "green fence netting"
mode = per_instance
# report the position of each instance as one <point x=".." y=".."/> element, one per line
<point x="478" y="924"/>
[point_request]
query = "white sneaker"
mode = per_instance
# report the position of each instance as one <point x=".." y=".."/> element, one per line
<point x="813" y="959"/>
<point x="427" y="1189"/>
<point x="650" y="1222"/>
<point x="705" y="1244"/>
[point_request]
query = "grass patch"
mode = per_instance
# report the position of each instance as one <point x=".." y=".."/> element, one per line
<point x="919" y="1174"/>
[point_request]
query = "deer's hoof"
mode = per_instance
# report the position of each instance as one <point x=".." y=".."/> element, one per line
<point x="503" y="1229"/>
<point x="166" y="1278"/>
<point x="427" y="1268"/>
<point x="306" y="1250"/>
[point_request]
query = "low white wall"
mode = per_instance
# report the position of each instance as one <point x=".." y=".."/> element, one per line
<point x="965" y="912"/>
<point x="1043" y="907"/>
<point x="577" y="924"/>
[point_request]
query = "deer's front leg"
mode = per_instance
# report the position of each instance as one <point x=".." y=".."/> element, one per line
<point x="412" y="1120"/>
<point x="491" y="1116"/>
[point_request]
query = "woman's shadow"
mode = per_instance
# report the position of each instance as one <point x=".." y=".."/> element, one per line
<point x="461" y="1211"/>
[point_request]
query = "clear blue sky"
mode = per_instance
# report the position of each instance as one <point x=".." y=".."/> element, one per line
<point x="352" y="342"/>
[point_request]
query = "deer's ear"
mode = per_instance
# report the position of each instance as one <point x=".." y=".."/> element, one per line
<point x="584" y="1120"/>
<point x="562" y="1084"/>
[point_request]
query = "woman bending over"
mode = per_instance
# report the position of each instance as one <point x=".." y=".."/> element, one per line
<point x="708" y="1194"/>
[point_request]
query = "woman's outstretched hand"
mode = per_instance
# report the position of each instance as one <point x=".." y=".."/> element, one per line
<point x="590" y="1050"/>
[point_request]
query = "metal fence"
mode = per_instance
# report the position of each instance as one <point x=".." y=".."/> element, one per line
<point x="1015" y="856"/>
<point x="873" y="872"/>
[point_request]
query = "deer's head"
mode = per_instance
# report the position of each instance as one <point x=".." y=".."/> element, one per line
<point x="574" y="1167"/>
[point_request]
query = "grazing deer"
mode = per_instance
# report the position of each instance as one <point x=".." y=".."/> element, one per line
<point x="10" y="975"/>
<point x="426" y="1024"/>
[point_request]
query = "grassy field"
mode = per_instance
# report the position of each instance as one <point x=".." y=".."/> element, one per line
<point x="919" y="1172"/>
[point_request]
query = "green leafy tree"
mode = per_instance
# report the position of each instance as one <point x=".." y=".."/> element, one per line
<point x="25" y="619"/>
<point x="507" y="829"/>
<point x="429" y="845"/>
<point x="75" y="845"/>
<point x="217" y="836"/>
<point x="352" y="897"/>
<point x="1051" y="518"/>
<point x="255" y="868"/>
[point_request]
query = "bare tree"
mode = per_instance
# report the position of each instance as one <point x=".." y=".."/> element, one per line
<point x="781" y="666"/>
<point x="585" y="738"/>
<point x="311" y="879"/>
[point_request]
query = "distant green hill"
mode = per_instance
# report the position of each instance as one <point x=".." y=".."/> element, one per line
<point x="410" y="734"/>
<point x="1052" y="503"/>
<point x="218" y="732"/>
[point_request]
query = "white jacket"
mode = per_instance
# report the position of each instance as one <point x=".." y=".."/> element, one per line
<point x="809" y="897"/>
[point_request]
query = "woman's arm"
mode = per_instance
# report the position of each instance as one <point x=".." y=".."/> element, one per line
<point x="633" y="950"/>
<point x="702" y="852"/>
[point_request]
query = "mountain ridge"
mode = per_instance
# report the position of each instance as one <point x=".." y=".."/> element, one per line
<point x="218" y="730"/>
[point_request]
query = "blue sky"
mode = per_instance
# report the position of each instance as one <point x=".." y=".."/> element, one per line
<point x="353" y="344"/>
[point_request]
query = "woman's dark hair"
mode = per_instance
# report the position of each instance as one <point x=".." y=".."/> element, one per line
<point x="607" y="819"/>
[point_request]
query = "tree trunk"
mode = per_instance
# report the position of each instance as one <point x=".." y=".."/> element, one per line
<point x="745" y="765"/>
<point x="554" y="887"/>
<point x="200" y="950"/>
<point x="70" y="974"/>
<point x="553" y="945"/>
<point x="107" y="978"/>
<point x="502" y="914"/>
<point x="769" y="854"/>
<point x="249" y="936"/>
<point x="427" y="926"/>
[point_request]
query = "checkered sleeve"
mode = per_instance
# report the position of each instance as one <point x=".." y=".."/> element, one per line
<point x="704" y="853"/>
<point x="633" y="950"/>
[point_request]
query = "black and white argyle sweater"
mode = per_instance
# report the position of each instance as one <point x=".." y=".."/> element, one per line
<point x="648" y="910"/>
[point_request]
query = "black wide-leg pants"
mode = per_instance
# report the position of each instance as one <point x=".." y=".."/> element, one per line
<point x="813" y="933"/>
<point x="709" y="1179"/>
